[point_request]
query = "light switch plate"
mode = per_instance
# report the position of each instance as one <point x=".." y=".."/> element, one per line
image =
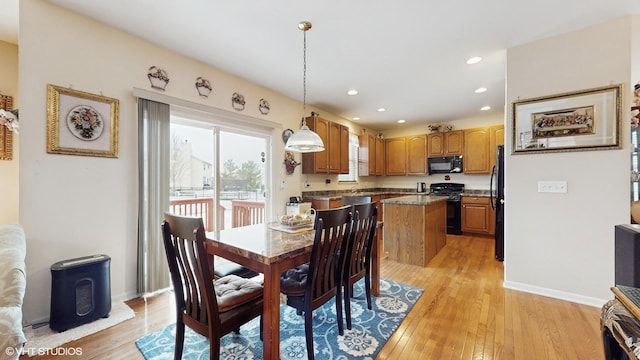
<point x="552" y="186"/>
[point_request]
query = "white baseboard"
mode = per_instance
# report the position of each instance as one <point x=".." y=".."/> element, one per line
<point x="562" y="295"/>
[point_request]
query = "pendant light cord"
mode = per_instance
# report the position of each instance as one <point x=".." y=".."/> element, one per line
<point x="304" y="78"/>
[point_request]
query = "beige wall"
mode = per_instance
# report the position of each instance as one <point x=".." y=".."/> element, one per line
<point x="9" y="168"/>
<point x="73" y="206"/>
<point x="562" y="245"/>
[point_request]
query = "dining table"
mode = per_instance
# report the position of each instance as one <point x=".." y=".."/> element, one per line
<point x="271" y="249"/>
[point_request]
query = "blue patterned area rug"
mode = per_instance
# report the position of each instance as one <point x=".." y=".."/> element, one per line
<point x="370" y="331"/>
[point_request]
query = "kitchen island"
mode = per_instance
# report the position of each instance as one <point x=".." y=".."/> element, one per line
<point x="415" y="228"/>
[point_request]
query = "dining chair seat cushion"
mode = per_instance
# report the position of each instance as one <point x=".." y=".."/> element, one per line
<point x="294" y="281"/>
<point x="233" y="291"/>
<point x="224" y="268"/>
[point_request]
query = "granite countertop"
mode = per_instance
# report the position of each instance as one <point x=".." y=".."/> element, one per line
<point x="415" y="200"/>
<point x="336" y="195"/>
<point x="476" y="193"/>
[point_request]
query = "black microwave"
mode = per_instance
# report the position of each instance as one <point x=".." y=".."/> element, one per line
<point x="444" y="165"/>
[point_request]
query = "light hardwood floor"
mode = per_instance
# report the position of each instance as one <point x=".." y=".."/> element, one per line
<point x="464" y="313"/>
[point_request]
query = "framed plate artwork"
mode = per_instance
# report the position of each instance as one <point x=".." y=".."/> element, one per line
<point x="286" y="134"/>
<point x="80" y="123"/>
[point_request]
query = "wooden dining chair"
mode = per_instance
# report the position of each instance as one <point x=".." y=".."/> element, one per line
<point x="311" y="285"/>
<point x="358" y="262"/>
<point x="211" y="308"/>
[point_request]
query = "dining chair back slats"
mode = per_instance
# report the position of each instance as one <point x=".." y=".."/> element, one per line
<point x="358" y="263"/>
<point x="195" y="289"/>
<point x="187" y="265"/>
<point x="321" y="279"/>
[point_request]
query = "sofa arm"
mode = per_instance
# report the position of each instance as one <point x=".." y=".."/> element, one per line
<point x="12" y="288"/>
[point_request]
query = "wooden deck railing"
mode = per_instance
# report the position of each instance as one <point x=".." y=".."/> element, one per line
<point x="243" y="212"/>
<point x="198" y="207"/>
<point x="246" y="212"/>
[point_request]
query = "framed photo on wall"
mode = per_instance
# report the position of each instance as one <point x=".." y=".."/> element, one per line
<point x="81" y="123"/>
<point x="576" y="121"/>
<point x="6" y="136"/>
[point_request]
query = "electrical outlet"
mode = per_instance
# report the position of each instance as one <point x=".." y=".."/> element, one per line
<point x="552" y="186"/>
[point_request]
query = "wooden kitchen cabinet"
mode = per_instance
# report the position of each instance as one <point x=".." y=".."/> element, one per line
<point x="477" y="215"/>
<point x="477" y="152"/>
<point x="406" y="155"/>
<point x="416" y="155"/>
<point x="453" y="142"/>
<point x="380" y="162"/>
<point x="496" y="137"/>
<point x="325" y="204"/>
<point x="435" y="144"/>
<point x="448" y="143"/>
<point x="335" y="157"/>
<point x="343" y="158"/>
<point x="396" y="156"/>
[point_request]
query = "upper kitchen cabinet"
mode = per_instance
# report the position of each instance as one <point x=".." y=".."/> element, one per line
<point x="342" y="160"/>
<point x="496" y="137"/>
<point x="335" y="157"/>
<point x="406" y="155"/>
<point x="396" y="156"/>
<point x="380" y="163"/>
<point x="448" y="143"/>
<point x="416" y="155"/>
<point x="477" y="152"/>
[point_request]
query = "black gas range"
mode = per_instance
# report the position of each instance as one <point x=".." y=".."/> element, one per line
<point x="454" y="207"/>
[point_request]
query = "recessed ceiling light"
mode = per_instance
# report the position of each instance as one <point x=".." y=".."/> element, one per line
<point x="481" y="90"/>
<point x="382" y="109"/>
<point x="401" y="121"/>
<point x="485" y="108"/>
<point x="474" y="60"/>
<point x="352" y="92"/>
<point x="355" y="118"/>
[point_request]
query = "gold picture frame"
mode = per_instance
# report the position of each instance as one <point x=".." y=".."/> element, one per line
<point x="81" y="123"/>
<point x="575" y="121"/>
<point x="6" y="136"/>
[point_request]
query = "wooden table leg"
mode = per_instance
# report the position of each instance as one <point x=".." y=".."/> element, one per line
<point x="271" y="313"/>
<point x="376" y="258"/>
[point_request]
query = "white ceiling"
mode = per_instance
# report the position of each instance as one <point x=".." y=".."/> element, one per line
<point x="407" y="56"/>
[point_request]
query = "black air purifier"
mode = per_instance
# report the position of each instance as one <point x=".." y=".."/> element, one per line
<point x="627" y="255"/>
<point x="80" y="291"/>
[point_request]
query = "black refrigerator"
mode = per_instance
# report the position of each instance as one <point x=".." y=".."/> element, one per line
<point x="497" y="200"/>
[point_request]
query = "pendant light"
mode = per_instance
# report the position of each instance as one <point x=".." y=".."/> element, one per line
<point x="304" y="140"/>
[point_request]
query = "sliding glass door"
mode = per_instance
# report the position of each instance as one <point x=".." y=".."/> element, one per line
<point x="220" y="173"/>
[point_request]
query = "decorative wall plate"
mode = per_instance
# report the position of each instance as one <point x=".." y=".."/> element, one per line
<point x="203" y="86"/>
<point x="158" y="78"/>
<point x="264" y="107"/>
<point x="85" y="122"/>
<point x="237" y="101"/>
<point x="286" y="133"/>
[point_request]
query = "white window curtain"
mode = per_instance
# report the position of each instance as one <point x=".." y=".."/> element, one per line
<point x="153" y="198"/>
